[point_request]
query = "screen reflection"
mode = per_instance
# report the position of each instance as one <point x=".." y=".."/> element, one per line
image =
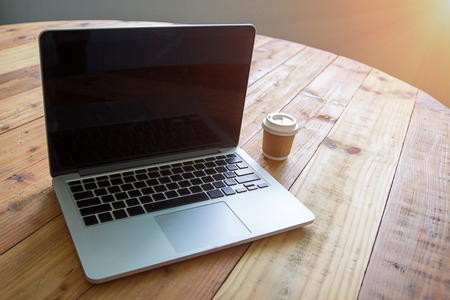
<point x="112" y="95"/>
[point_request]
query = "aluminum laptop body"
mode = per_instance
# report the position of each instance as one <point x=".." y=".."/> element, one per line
<point x="142" y="132"/>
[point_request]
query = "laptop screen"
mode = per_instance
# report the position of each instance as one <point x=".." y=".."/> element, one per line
<point x="115" y="95"/>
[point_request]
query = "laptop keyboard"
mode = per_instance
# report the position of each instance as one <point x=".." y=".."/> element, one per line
<point x="126" y="194"/>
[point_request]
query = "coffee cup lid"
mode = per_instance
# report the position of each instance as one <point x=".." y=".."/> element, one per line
<point x="280" y="124"/>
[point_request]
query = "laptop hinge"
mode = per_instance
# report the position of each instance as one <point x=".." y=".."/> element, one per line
<point x="145" y="162"/>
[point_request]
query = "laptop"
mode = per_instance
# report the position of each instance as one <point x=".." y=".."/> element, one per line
<point x="142" y="128"/>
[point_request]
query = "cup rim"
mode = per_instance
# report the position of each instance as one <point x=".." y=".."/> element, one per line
<point x="278" y="129"/>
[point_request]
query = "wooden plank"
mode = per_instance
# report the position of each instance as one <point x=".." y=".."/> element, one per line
<point x="25" y="184"/>
<point x="27" y="202"/>
<point x="410" y="259"/>
<point x="18" y="82"/>
<point x="19" y="57"/>
<point x="425" y="100"/>
<point x="22" y="147"/>
<point x="316" y="109"/>
<point x="260" y="40"/>
<point x="280" y="86"/>
<point x="346" y="185"/>
<point x="269" y="55"/>
<point x="21" y="109"/>
<point x="43" y="266"/>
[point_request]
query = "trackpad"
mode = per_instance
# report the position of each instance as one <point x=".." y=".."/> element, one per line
<point x="201" y="227"/>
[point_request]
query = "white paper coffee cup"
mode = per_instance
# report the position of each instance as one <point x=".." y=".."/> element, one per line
<point x="279" y="133"/>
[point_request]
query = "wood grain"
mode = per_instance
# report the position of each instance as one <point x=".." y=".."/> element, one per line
<point x="410" y="259"/>
<point x="27" y="202"/>
<point x="350" y="164"/>
<point x="18" y="57"/>
<point x="316" y="108"/>
<point x="270" y="54"/>
<point x="277" y="89"/>
<point x="346" y="185"/>
<point x="20" y="109"/>
<point x="43" y="266"/>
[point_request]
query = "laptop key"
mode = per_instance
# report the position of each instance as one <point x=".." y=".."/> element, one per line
<point x="76" y="188"/>
<point x="105" y="217"/>
<point x="247" y="178"/>
<point x="100" y="192"/>
<point x="176" y="178"/>
<point x="195" y="189"/>
<point x="90" y="186"/>
<point x="159" y="197"/>
<point x="83" y="195"/>
<point x="160" y="188"/>
<point x="184" y="192"/>
<point x="228" y="191"/>
<point x="119" y="204"/>
<point x="251" y="187"/>
<point x="88" y="180"/>
<point x="218" y="177"/>
<point x="134" y="193"/>
<point x="219" y="184"/>
<point x="120" y="214"/>
<point x="234" y="160"/>
<point x="114" y="189"/>
<point x="139" y="185"/>
<point x="177" y="171"/>
<point x="135" y="210"/>
<point x="132" y="202"/>
<point x="95" y="209"/>
<point x="108" y="198"/>
<point x="207" y="179"/>
<point x="207" y="187"/>
<point x="76" y="182"/>
<point x="103" y="184"/>
<point x="127" y="187"/>
<point x="142" y="177"/>
<point x="171" y="194"/>
<point x="215" y="194"/>
<point x="199" y="167"/>
<point x="196" y="181"/>
<point x="184" y="183"/>
<point x="121" y="196"/>
<point x="230" y="182"/>
<point x="242" y="165"/>
<point x="229" y="175"/>
<point x="116" y="181"/>
<point x="166" y="172"/>
<point x="188" y="169"/>
<point x="91" y="220"/>
<point x="88" y="202"/>
<point x="232" y="167"/>
<point x="129" y="179"/>
<point x="188" y="199"/>
<point x="187" y="176"/>
<point x="243" y="172"/>
<point x="221" y="169"/>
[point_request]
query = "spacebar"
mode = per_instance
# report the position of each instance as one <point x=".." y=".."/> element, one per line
<point x="154" y="206"/>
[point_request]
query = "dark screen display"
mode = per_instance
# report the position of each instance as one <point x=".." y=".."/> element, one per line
<point x="114" y="95"/>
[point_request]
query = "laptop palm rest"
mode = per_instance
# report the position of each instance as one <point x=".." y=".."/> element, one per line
<point x="201" y="227"/>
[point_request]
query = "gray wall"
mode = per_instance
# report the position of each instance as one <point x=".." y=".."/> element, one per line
<point x="409" y="39"/>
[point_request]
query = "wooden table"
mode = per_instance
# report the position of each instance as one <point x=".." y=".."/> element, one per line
<point x="371" y="161"/>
